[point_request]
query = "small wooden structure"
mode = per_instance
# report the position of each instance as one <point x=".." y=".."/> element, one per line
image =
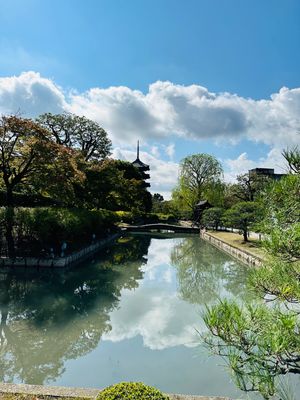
<point x="198" y="210"/>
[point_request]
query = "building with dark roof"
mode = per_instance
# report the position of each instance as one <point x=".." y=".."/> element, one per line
<point x="268" y="172"/>
<point x="142" y="167"/>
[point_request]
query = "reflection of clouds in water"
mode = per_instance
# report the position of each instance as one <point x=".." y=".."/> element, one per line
<point x="161" y="318"/>
<point x="158" y="256"/>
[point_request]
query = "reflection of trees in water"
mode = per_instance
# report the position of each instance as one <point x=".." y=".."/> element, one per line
<point x="203" y="271"/>
<point x="49" y="317"/>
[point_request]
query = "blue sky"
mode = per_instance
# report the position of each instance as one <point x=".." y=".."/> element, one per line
<point x="222" y="59"/>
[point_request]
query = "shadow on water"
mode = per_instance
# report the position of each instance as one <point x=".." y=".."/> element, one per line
<point x="33" y="304"/>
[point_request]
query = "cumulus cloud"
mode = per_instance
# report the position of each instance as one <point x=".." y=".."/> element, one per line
<point x="31" y="95"/>
<point x="165" y="110"/>
<point x="243" y="163"/>
<point x="154" y="311"/>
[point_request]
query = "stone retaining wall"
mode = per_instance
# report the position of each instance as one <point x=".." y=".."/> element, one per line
<point x="241" y="255"/>
<point x="58" y="391"/>
<point x="59" y="262"/>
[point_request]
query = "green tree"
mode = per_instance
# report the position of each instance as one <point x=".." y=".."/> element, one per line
<point x="28" y="158"/>
<point x="242" y="216"/>
<point x="79" y="133"/>
<point x="213" y="217"/>
<point x="263" y="342"/>
<point x="199" y="174"/>
<point x="114" y="185"/>
<point x="249" y="186"/>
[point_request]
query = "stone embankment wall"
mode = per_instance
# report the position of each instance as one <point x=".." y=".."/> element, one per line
<point x="58" y="262"/>
<point x="57" y="391"/>
<point x="241" y="255"/>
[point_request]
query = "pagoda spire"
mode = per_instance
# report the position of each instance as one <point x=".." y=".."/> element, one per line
<point x="138" y="150"/>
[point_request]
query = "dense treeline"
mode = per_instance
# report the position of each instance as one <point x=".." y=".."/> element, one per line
<point x="62" y="161"/>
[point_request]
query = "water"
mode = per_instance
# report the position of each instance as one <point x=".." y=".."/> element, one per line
<point x="133" y="313"/>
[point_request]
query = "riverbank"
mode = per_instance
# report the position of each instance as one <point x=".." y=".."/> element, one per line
<point x="10" y="391"/>
<point x="231" y="243"/>
<point x="59" y="262"/>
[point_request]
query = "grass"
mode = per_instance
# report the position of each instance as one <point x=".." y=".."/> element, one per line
<point x="253" y="246"/>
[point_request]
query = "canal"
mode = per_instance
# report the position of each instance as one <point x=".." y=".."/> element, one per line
<point x="133" y="313"/>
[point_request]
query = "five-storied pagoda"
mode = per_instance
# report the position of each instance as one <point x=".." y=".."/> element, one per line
<point x="141" y="166"/>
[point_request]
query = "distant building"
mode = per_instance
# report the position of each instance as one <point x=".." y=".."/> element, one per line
<point x="268" y="172"/>
<point x="141" y="166"/>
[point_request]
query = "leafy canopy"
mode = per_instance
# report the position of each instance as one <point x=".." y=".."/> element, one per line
<point x="79" y="133"/>
<point x="199" y="175"/>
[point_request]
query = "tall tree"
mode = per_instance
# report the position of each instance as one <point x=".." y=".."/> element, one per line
<point x="249" y="187"/>
<point x="79" y="133"/>
<point x="27" y="156"/>
<point x="199" y="173"/>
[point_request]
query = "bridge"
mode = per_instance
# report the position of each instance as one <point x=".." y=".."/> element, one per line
<point x="161" y="227"/>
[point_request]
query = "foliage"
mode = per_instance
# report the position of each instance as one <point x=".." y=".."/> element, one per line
<point x="262" y="341"/>
<point x="125" y="216"/>
<point x="259" y="342"/>
<point x="242" y="216"/>
<point x="158" y="197"/>
<point x="131" y="391"/>
<point x="212" y="217"/>
<point x="282" y="218"/>
<point x="22" y="144"/>
<point x="78" y="133"/>
<point x="292" y="157"/>
<point x="44" y="228"/>
<point x="157" y="202"/>
<point x="114" y="185"/>
<point x="199" y="175"/>
<point x="28" y="157"/>
<point x="249" y="186"/>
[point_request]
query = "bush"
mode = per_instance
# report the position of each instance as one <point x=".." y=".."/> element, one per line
<point x="131" y="391"/>
<point x="152" y="218"/>
<point x="49" y="227"/>
<point x="125" y="216"/>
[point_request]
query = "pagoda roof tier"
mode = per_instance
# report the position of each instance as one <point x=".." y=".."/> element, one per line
<point x="140" y="165"/>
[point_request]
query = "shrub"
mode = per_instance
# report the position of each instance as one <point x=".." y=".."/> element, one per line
<point x="49" y="227"/>
<point x="131" y="391"/>
<point x="125" y="216"/>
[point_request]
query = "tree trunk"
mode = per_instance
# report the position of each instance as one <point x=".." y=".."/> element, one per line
<point x="245" y="235"/>
<point x="9" y="223"/>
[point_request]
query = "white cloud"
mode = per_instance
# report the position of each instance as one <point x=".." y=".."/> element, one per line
<point x="154" y="310"/>
<point x="242" y="164"/>
<point x="167" y="109"/>
<point x="31" y="95"/>
<point x="153" y="314"/>
<point x="170" y="150"/>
